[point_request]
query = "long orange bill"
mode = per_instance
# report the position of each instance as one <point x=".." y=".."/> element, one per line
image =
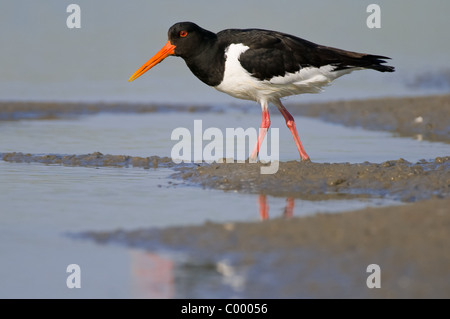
<point x="167" y="50"/>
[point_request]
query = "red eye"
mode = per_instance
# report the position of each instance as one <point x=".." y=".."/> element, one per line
<point x="183" y="34"/>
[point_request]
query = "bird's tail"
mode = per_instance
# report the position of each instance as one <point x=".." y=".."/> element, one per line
<point x="375" y="62"/>
<point x="343" y="60"/>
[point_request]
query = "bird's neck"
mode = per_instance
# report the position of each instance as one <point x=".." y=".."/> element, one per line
<point x="209" y="64"/>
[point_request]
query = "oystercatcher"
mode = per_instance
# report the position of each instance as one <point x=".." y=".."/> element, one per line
<point x="261" y="65"/>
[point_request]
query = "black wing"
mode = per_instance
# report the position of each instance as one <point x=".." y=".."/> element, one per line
<point x="275" y="53"/>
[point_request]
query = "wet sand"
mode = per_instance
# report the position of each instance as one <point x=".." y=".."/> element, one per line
<point x="397" y="179"/>
<point x="96" y="159"/>
<point x="21" y="110"/>
<point x="322" y="255"/>
<point x="424" y="117"/>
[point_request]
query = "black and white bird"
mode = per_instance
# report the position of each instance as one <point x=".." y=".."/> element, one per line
<point x="261" y="65"/>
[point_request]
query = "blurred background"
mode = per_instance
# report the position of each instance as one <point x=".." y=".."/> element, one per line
<point x="42" y="59"/>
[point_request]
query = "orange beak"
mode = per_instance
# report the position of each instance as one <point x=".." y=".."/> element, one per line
<point x="167" y="50"/>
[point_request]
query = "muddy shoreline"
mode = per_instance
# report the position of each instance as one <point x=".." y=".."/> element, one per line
<point x="309" y="255"/>
<point x="396" y="179"/>
<point x="22" y="110"/>
<point x="424" y="117"/>
<point x="320" y="256"/>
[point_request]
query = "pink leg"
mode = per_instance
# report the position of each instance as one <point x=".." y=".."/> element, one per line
<point x="289" y="209"/>
<point x="291" y="125"/>
<point x="262" y="133"/>
<point x="263" y="207"/>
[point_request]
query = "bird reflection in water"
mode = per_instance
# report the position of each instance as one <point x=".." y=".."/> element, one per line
<point x="152" y="274"/>
<point x="264" y="207"/>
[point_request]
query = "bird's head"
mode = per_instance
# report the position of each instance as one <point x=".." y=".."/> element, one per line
<point x="185" y="39"/>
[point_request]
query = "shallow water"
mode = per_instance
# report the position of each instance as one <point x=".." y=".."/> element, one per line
<point x="150" y="134"/>
<point x="41" y="204"/>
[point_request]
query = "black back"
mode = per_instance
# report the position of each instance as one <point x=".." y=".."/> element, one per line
<point x="270" y="53"/>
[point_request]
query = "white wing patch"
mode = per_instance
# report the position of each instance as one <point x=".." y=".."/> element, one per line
<point x="308" y="79"/>
<point x="306" y="76"/>
<point x="239" y="83"/>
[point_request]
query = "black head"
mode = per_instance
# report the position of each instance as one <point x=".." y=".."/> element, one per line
<point x="189" y="39"/>
<point x="186" y="39"/>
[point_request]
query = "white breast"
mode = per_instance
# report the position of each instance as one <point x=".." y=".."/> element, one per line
<point x="237" y="81"/>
